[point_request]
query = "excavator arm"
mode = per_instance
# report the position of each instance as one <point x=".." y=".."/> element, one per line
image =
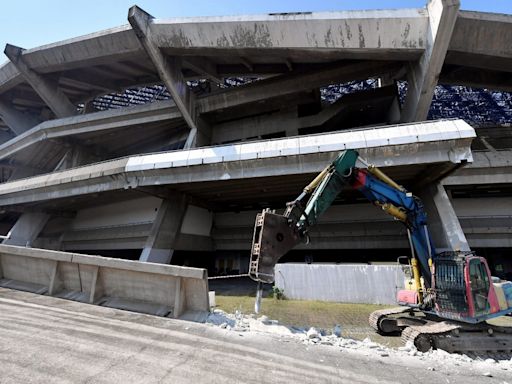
<point x="275" y="234"/>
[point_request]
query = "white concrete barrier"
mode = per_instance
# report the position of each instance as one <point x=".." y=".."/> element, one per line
<point x="158" y="289"/>
<point x="349" y="283"/>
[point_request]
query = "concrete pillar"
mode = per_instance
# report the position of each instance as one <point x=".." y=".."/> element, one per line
<point x="170" y="72"/>
<point x="423" y="75"/>
<point x="393" y="115"/>
<point x="443" y="223"/>
<point x="48" y="90"/>
<point x="27" y="228"/>
<point x="160" y="244"/>
<point x="17" y="121"/>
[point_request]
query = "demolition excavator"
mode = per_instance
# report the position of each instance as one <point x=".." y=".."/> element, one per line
<point x="449" y="296"/>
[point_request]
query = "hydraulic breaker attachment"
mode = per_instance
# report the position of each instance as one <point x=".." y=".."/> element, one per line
<point x="273" y="237"/>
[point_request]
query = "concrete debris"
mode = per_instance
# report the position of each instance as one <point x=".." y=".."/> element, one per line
<point x="313" y="333"/>
<point x="315" y="338"/>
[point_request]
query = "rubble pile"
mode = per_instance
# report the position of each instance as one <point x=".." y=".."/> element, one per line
<point x="239" y="322"/>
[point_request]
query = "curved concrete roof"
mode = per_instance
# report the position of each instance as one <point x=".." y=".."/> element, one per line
<point x="113" y="59"/>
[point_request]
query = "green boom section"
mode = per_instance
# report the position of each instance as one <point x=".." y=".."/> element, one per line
<point x="329" y="188"/>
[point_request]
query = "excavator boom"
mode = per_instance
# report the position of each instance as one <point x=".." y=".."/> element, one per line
<point x="275" y="234"/>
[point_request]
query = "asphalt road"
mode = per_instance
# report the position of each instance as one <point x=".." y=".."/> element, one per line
<point x="49" y="340"/>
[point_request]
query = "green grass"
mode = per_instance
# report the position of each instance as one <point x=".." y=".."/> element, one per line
<point x="303" y="313"/>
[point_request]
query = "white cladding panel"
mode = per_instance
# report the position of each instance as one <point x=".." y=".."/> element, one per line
<point x="327" y="142"/>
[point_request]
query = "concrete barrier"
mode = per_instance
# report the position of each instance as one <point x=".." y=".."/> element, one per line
<point x="158" y="289"/>
<point x="349" y="283"/>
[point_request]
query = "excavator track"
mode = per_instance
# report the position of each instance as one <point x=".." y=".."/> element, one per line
<point x="457" y="337"/>
<point x="377" y="316"/>
<point x="423" y="336"/>
<point x="435" y="333"/>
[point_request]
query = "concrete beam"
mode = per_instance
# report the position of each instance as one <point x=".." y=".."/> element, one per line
<point x="486" y="222"/>
<point x="477" y="78"/>
<point x="169" y="70"/>
<point x="272" y="123"/>
<point x="481" y="40"/>
<point x="423" y="75"/>
<point x="287" y="120"/>
<point x="45" y="88"/>
<point x="430" y="142"/>
<point x="99" y="122"/>
<point x="165" y="231"/>
<point x="17" y="121"/>
<point x="489" y="167"/>
<point x="443" y="223"/>
<point x="203" y="66"/>
<point x="390" y="33"/>
<point x="293" y="83"/>
<point x="27" y="228"/>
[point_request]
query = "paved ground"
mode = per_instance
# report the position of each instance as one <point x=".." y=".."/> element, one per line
<point x="44" y="339"/>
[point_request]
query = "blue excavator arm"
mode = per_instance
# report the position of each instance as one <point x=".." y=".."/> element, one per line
<point x="275" y="234"/>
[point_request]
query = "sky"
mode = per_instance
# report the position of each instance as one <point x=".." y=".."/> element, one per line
<point x="31" y="23"/>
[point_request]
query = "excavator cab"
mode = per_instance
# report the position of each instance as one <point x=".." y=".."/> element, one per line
<point x="481" y="291"/>
<point x="463" y="287"/>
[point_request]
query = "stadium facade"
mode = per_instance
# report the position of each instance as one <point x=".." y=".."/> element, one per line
<point x="160" y="140"/>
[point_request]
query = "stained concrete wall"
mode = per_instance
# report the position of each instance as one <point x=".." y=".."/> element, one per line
<point x="141" y="210"/>
<point x="372" y="284"/>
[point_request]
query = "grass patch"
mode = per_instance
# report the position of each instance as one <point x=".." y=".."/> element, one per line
<point x="353" y="318"/>
<point x="300" y="313"/>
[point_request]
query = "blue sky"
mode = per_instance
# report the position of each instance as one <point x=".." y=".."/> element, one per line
<point x="30" y="23"/>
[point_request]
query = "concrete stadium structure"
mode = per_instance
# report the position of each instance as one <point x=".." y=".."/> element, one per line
<point x="180" y="179"/>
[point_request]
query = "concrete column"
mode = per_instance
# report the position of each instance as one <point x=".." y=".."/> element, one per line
<point x="48" y="90"/>
<point x="170" y="72"/>
<point x="160" y="244"/>
<point x="443" y="223"/>
<point x="423" y="75"/>
<point x="27" y="228"/>
<point x="17" y="121"/>
<point x="393" y="115"/>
